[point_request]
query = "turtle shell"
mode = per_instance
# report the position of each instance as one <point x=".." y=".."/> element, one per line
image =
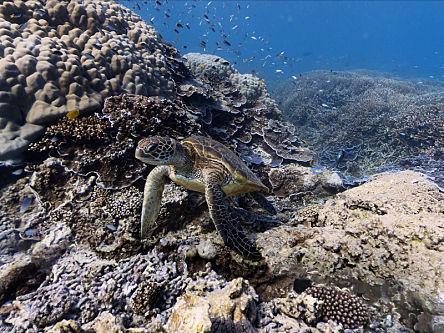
<point x="242" y="177"/>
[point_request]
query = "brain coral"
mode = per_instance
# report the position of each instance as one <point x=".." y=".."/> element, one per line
<point x="58" y="56"/>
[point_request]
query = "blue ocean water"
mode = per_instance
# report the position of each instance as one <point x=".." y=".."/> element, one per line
<point x="278" y="39"/>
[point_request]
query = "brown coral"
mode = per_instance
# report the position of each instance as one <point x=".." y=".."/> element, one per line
<point x="340" y="306"/>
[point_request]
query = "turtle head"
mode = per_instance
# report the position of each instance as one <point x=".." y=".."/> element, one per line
<point x="158" y="150"/>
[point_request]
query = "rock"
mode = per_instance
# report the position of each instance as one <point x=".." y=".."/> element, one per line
<point x="190" y="314"/>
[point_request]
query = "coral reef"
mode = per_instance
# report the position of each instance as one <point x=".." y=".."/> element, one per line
<point x="393" y="119"/>
<point x="89" y="270"/>
<point x="242" y="107"/>
<point x="105" y="143"/>
<point x="70" y="55"/>
<point x="71" y="257"/>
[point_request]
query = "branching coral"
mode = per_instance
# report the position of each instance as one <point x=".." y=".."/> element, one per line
<point x="394" y="119"/>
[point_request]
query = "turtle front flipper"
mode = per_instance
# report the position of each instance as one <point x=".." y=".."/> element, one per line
<point x="226" y="220"/>
<point x="152" y="198"/>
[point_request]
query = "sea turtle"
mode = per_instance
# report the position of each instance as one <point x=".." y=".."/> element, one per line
<point x="203" y="165"/>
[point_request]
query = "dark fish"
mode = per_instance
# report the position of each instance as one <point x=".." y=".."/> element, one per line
<point x="187" y="26"/>
<point x="101" y="31"/>
<point x="238" y="7"/>
<point x="179" y="25"/>
<point x="212" y="29"/>
<point x="40" y="11"/>
<point x="25" y="205"/>
<point x="56" y="52"/>
<point x="167" y="16"/>
<point x="110" y="27"/>
<point x="176" y="31"/>
<point x="306" y="54"/>
<point x="96" y="46"/>
<point x="158" y="3"/>
<point x="216" y="60"/>
<point x="225" y="63"/>
<point x="205" y="16"/>
<point x="184" y="47"/>
<point x="226" y="43"/>
<point x="137" y="6"/>
<point x="15" y="15"/>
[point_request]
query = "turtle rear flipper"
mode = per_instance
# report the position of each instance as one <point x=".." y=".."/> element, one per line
<point x="226" y="220"/>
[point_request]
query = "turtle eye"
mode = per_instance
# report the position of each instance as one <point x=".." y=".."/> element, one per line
<point x="151" y="148"/>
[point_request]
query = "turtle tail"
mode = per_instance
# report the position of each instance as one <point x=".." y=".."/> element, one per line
<point x="227" y="221"/>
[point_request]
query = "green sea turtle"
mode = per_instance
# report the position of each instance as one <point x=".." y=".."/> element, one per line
<point x="203" y="165"/>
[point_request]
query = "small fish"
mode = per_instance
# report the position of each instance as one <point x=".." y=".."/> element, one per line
<point x="40" y="11"/>
<point x="176" y="31"/>
<point x="158" y="3"/>
<point x="179" y="25"/>
<point x="254" y="72"/>
<point x="23" y="26"/>
<point x="15" y="15"/>
<point x="219" y="48"/>
<point x="279" y="71"/>
<point x="17" y="172"/>
<point x="201" y="66"/>
<point x="96" y="46"/>
<point x="216" y="60"/>
<point x="101" y="31"/>
<point x="238" y="7"/>
<point x="89" y="56"/>
<point x="187" y="26"/>
<point x="260" y="81"/>
<point x="73" y="114"/>
<point x="304" y="142"/>
<point x="111" y="227"/>
<point x="25" y="205"/>
<point x="234" y="27"/>
<point x="205" y="16"/>
<point x="225" y="63"/>
<point x="226" y="43"/>
<point x="110" y="27"/>
<point x="184" y="47"/>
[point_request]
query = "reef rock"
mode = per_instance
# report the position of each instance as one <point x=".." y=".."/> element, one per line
<point x="231" y="309"/>
<point x="385" y="233"/>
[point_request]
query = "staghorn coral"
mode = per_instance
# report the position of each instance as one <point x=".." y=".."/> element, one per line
<point x="71" y="55"/>
<point x="394" y="119"/>
<point x="340" y="306"/>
